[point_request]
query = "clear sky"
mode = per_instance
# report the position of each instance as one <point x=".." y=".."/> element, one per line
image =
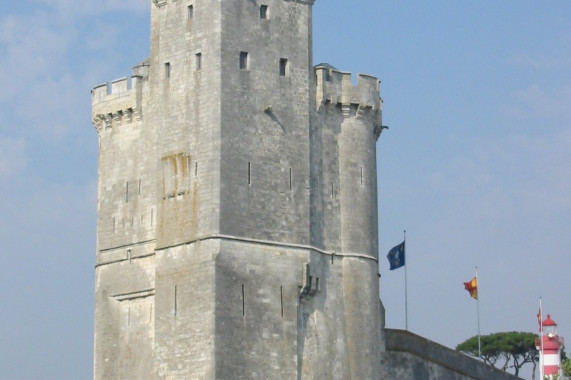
<point x="476" y="165"/>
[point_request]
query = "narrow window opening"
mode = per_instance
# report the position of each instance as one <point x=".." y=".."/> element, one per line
<point x="187" y="170"/>
<point x="332" y="193"/>
<point x="290" y="180"/>
<point x="129" y="255"/>
<point x="264" y="12"/>
<point x="243" y="60"/>
<point x="327" y="76"/>
<point x="195" y="169"/>
<point x="175" y="306"/>
<point x="282" y="299"/>
<point x="129" y="316"/>
<point x="139" y="187"/>
<point x="316" y="284"/>
<point x="167" y="70"/>
<point x="190" y="12"/>
<point x="126" y="192"/>
<point x="243" y="301"/>
<point x="198" y="61"/>
<point x="249" y="173"/>
<point x="361" y="176"/>
<point x="283" y="67"/>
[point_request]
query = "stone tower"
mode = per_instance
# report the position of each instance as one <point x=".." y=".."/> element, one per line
<point x="237" y="203"/>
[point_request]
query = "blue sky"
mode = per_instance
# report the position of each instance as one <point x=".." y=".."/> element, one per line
<point x="476" y="165"/>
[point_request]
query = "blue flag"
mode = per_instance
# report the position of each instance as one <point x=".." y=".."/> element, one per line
<point x="396" y="256"/>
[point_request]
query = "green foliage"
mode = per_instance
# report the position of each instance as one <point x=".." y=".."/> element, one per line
<point x="566" y="365"/>
<point x="504" y="350"/>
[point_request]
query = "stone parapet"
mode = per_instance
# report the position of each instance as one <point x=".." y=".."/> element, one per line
<point x="334" y="86"/>
<point x="119" y="102"/>
<point x="335" y="90"/>
<point x="413" y="357"/>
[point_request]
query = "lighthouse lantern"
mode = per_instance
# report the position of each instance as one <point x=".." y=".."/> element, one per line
<point x="550" y="346"/>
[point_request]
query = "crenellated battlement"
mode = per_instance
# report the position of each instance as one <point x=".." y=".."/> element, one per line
<point x="335" y="90"/>
<point x="336" y="87"/>
<point x="119" y="102"/>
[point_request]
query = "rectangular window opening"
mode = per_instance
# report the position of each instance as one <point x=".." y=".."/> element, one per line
<point x="361" y="176"/>
<point x="290" y="180"/>
<point x="249" y="173"/>
<point x="198" y="61"/>
<point x="264" y="12"/>
<point x="243" y="300"/>
<point x="282" y="299"/>
<point x="127" y="192"/>
<point x="190" y="12"/>
<point x="167" y="70"/>
<point x="283" y="67"/>
<point x="175" y="306"/>
<point x="139" y="187"/>
<point x="243" y="60"/>
<point x="195" y="169"/>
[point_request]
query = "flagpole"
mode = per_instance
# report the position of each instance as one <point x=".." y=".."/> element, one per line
<point x="478" y="307"/>
<point x="541" y="358"/>
<point x="405" y="284"/>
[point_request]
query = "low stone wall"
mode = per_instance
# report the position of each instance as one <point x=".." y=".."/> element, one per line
<point x="412" y="357"/>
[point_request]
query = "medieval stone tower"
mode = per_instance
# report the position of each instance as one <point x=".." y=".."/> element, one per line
<point x="237" y="203"/>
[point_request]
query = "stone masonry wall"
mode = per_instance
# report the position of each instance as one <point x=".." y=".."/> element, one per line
<point x="413" y="357"/>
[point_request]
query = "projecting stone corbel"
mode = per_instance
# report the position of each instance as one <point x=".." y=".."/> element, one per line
<point x="117" y="117"/>
<point x="137" y="113"/>
<point x="98" y="122"/>
<point x="108" y="121"/>
<point x="159" y="3"/>
<point x="128" y="114"/>
<point x="310" y="283"/>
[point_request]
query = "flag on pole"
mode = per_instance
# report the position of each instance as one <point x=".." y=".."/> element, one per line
<point x="472" y="287"/>
<point x="539" y="317"/>
<point x="396" y="256"/>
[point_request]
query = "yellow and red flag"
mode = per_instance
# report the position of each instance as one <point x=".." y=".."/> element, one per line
<point x="472" y="287"/>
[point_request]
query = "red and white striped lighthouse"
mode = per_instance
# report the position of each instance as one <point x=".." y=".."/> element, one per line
<point x="550" y="350"/>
